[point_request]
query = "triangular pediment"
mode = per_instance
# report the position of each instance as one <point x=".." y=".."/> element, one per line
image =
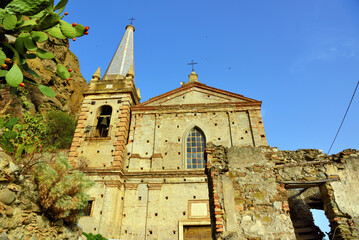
<point x="196" y="93"/>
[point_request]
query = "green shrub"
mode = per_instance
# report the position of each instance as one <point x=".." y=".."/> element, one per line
<point x="90" y="236"/>
<point x="62" y="194"/>
<point x="61" y="128"/>
<point x="24" y="137"/>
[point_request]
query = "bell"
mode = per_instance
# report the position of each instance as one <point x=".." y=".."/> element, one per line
<point x="103" y="121"/>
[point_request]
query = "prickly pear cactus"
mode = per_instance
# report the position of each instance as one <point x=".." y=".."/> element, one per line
<point x="24" y="24"/>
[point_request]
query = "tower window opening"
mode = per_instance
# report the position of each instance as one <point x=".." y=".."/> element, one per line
<point x="103" y="122"/>
<point x="88" y="209"/>
<point x="196" y="143"/>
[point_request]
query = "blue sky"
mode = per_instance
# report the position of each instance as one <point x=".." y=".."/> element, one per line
<point x="300" y="57"/>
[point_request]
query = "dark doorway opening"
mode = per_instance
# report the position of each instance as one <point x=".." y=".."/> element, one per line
<point x="301" y="203"/>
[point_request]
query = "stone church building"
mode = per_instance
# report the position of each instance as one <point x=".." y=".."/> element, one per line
<point x="194" y="164"/>
<point x="148" y="159"/>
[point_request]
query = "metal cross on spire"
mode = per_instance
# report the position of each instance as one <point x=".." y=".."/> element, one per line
<point x="192" y="63"/>
<point x="131" y="19"/>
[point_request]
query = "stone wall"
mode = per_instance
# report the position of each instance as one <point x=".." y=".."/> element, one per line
<point x="20" y="215"/>
<point x="160" y="210"/>
<point x="101" y="152"/>
<point x="263" y="193"/>
<point x="157" y="139"/>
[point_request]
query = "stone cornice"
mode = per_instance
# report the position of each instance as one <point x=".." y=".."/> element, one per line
<point x="166" y="174"/>
<point x="239" y="106"/>
<point x="101" y="171"/>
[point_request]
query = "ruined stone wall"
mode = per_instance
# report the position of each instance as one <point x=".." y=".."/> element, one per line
<point x="264" y="193"/>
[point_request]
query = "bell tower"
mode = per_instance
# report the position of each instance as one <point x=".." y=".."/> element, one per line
<point x="102" y="130"/>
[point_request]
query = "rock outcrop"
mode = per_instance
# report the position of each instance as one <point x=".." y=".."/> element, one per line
<point x="68" y="93"/>
<point x="20" y="215"/>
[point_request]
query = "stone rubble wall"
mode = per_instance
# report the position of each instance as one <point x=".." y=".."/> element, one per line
<point x="20" y="215"/>
<point x="251" y="192"/>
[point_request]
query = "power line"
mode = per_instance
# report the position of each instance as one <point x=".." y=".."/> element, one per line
<point x="343" y="118"/>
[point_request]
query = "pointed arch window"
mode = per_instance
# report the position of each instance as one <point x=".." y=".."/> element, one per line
<point x="196" y="142"/>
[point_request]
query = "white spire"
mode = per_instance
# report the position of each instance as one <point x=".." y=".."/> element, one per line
<point x="123" y="60"/>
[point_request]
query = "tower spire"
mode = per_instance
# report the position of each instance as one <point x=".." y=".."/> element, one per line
<point x="122" y="63"/>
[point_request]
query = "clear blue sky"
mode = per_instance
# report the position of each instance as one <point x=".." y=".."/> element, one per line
<point x="300" y="57"/>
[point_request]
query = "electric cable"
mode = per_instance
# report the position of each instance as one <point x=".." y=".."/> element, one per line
<point x="343" y="117"/>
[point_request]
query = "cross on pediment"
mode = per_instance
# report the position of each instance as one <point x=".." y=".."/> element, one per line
<point x="192" y="63"/>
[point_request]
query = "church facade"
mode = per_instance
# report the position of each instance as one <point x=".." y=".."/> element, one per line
<point x="149" y="159"/>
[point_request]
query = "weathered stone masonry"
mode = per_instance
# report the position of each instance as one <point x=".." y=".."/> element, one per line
<point x="121" y="135"/>
<point x="253" y="191"/>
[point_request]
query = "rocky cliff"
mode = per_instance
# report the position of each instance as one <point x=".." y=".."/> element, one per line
<point x="68" y="93"/>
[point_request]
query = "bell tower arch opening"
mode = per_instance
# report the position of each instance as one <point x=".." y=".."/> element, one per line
<point x="103" y="126"/>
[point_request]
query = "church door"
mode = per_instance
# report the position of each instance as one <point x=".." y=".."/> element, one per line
<point x="197" y="233"/>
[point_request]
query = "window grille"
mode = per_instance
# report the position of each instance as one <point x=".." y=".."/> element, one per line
<point x="196" y="143"/>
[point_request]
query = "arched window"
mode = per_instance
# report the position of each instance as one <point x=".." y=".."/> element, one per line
<point x="196" y="142"/>
<point x="103" y="123"/>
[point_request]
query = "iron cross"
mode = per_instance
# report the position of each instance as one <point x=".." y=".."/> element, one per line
<point x="131" y="19"/>
<point x="192" y="63"/>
